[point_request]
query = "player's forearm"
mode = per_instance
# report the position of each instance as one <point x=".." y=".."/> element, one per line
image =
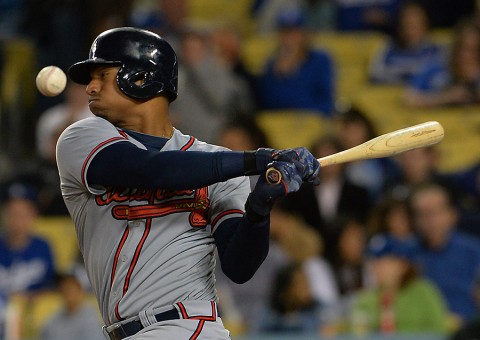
<point x="242" y="247"/>
<point x="125" y="165"/>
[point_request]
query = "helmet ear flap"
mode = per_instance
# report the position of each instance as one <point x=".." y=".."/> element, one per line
<point x="139" y="85"/>
<point x="139" y="79"/>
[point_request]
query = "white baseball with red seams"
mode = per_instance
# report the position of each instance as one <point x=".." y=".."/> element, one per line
<point x="51" y="81"/>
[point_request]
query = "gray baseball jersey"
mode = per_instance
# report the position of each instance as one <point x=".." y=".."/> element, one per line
<point x="143" y="249"/>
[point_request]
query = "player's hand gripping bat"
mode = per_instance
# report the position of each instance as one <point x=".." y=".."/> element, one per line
<point x="386" y="145"/>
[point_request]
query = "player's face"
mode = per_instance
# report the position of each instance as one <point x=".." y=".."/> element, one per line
<point x="105" y="98"/>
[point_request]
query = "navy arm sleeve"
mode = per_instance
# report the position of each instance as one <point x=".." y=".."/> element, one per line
<point x="242" y="246"/>
<point x="123" y="164"/>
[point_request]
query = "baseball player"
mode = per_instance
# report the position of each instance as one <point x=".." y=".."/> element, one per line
<point x="151" y="205"/>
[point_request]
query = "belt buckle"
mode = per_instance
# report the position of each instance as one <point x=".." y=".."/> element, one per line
<point x="117" y="333"/>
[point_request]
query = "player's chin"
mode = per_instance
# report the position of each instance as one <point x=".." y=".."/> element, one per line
<point x="98" y="113"/>
<point x="95" y="109"/>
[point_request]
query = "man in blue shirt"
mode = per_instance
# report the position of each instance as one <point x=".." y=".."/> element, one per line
<point x="297" y="76"/>
<point x="26" y="260"/>
<point x="446" y="256"/>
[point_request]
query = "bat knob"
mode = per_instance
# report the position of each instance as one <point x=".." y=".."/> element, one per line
<point x="273" y="176"/>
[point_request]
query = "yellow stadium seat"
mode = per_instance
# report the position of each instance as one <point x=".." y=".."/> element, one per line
<point x="216" y="11"/>
<point x="459" y="148"/>
<point x="60" y="233"/>
<point x="27" y="313"/>
<point x="383" y="105"/>
<point x="350" y="48"/>
<point x="18" y="80"/>
<point x="443" y="36"/>
<point x="256" y="50"/>
<point x="291" y="128"/>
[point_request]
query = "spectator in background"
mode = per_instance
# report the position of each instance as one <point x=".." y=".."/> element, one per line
<point x="456" y="82"/>
<point x="215" y="92"/>
<point x="401" y="301"/>
<point x="336" y="198"/>
<point x="227" y="40"/>
<point x="471" y="329"/>
<point x="408" y="51"/>
<point x="350" y="267"/>
<point x="355" y="128"/>
<point x="304" y="246"/>
<point x="319" y="14"/>
<point x="446" y="256"/>
<point x="366" y="15"/>
<point x="297" y="76"/>
<point x="392" y="216"/>
<point x="73" y="108"/>
<point x="415" y="167"/>
<point x="165" y="17"/>
<point x="243" y="133"/>
<point x="77" y="319"/>
<point x="292" y="242"/>
<point x="292" y="309"/>
<point x="349" y="264"/>
<point x="41" y="171"/>
<point x="467" y="181"/>
<point x="26" y="260"/>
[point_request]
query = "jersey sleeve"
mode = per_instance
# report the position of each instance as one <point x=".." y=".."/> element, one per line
<point x="228" y="200"/>
<point x="76" y="148"/>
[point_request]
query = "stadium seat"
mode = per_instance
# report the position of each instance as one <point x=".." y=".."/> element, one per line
<point x="458" y="150"/>
<point x="291" y="128"/>
<point x="60" y="233"/>
<point x="216" y="11"/>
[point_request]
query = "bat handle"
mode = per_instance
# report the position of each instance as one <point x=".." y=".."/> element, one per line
<point x="273" y="176"/>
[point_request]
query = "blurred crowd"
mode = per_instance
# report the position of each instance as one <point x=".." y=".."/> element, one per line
<point x="382" y="246"/>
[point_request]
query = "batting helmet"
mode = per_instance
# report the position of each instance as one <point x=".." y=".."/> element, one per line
<point x="142" y="56"/>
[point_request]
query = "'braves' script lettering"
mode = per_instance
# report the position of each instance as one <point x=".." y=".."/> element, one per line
<point x="158" y="203"/>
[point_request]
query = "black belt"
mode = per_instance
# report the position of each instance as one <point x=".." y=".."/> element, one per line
<point x="133" y="327"/>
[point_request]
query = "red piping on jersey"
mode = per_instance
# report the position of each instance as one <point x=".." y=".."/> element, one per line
<point x="188" y="145"/>
<point x="115" y="262"/>
<point x="117" y="254"/>
<point x="226" y="212"/>
<point x="148" y="226"/>
<point x="198" y="330"/>
<point x="123" y="134"/>
<point x="185" y="315"/>
<point x="117" y="314"/>
<point x="133" y="264"/>
<point x="90" y="155"/>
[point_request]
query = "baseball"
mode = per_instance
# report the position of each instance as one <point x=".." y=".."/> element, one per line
<point x="51" y="81"/>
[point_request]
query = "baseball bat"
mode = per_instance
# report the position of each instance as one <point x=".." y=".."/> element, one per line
<point x="389" y="144"/>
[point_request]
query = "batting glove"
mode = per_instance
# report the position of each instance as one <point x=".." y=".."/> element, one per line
<point x="302" y="155"/>
<point x="261" y="199"/>
<point x="256" y="162"/>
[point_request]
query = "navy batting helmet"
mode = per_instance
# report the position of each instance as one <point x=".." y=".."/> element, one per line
<point x="148" y="64"/>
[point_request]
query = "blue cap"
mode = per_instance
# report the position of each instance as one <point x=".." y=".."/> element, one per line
<point x="387" y="245"/>
<point x="19" y="190"/>
<point x="291" y="18"/>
